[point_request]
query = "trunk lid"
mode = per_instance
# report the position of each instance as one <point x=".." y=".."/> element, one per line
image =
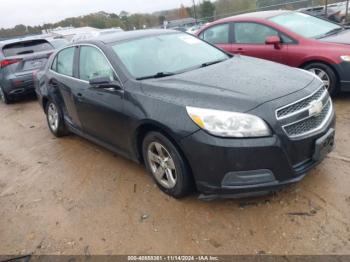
<point x="29" y="55"/>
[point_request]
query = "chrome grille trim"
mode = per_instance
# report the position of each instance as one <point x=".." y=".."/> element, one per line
<point x="301" y="104"/>
<point x="324" y="116"/>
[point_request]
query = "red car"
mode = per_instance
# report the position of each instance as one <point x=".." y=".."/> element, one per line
<point x="288" y="37"/>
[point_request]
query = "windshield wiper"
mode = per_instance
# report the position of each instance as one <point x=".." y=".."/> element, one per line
<point x="158" y="75"/>
<point x="213" y="62"/>
<point x="332" y="32"/>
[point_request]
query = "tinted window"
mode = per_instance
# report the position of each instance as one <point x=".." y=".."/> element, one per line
<point x="93" y="64"/>
<point x="167" y="53"/>
<point x="305" y="25"/>
<point x="218" y="34"/>
<point x="65" y="60"/>
<point x="27" y="47"/>
<point x="252" y="33"/>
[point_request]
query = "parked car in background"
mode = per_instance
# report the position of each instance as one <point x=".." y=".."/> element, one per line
<point x="193" y="29"/>
<point x="197" y="117"/>
<point x="321" y="12"/>
<point x="292" y="38"/>
<point x="340" y="13"/>
<point x="91" y="35"/>
<point x="19" y="58"/>
<point x="58" y="43"/>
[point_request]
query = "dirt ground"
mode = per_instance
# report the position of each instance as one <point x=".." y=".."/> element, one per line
<point x="69" y="196"/>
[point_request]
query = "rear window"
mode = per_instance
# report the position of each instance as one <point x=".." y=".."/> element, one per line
<point x="27" y="47"/>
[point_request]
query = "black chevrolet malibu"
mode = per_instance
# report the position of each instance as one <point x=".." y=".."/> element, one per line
<point x="197" y="117"/>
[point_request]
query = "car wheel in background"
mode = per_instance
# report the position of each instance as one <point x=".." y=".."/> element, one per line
<point x="55" y="119"/>
<point x="167" y="166"/>
<point x="4" y="97"/>
<point x="326" y="74"/>
<point x="343" y="21"/>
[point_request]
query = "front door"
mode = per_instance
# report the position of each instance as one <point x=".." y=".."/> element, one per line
<point x="100" y="110"/>
<point x="249" y="39"/>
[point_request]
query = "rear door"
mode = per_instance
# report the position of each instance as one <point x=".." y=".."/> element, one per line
<point x="250" y="37"/>
<point x="219" y="35"/>
<point x="64" y="81"/>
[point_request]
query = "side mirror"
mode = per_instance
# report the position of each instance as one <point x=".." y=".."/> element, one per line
<point x="104" y="82"/>
<point x="273" y="40"/>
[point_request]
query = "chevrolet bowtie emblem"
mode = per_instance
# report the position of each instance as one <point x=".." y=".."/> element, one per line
<point x="315" y="107"/>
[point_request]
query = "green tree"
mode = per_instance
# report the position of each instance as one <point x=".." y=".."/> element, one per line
<point x="206" y="10"/>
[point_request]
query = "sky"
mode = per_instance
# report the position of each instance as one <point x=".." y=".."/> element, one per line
<point x="37" y="12"/>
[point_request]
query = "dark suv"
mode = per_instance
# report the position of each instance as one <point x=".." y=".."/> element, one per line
<point x="19" y="58"/>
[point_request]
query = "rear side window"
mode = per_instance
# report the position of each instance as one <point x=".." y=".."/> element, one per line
<point x="26" y="47"/>
<point x="219" y="34"/>
<point x="63" y="63"/>
<point x="252" y="33"/>
<point x="93" y="64"/>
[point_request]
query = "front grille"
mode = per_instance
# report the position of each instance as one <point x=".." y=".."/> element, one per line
<point x="300" y="105"/>
<point x="309" y="124"/>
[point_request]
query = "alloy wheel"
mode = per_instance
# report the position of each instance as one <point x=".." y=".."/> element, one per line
<point x="53" y="117"/>
<point x="322" y="75"/>
<point x="162" y="165"/>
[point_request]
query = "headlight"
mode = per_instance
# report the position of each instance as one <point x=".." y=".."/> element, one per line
<point x="228" y="124"/>
<point x="345" y="58"/>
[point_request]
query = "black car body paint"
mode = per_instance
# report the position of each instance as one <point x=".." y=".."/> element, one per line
<point x="115" y="118"/>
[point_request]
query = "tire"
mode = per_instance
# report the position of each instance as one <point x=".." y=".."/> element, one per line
<point x="155" y="149"/>
<point x="343" y="21"/>
<point x="4" y="97"/>
<point x="55" y="119"/>
<point x="327" y="75"/>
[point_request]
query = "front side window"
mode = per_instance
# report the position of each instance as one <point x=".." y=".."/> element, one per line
<point x="166" y="53"/>
<point x="64" y="63"/>
<point x="252" y="33"/>
<point x="218" y="34"/>
<point x="93" y="64"/>
<point x="306" y="25"/>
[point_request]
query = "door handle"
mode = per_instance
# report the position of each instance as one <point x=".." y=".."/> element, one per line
<point x="238" y="51"/>
<point x="80" y="97"/>
<point x="53" y="83"/>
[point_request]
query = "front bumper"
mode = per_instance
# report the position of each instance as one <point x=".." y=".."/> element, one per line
<point x="248" y="167"/>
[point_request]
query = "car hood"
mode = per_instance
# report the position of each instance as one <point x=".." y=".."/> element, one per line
<point x="341" y="38"/>
<point x="239" y="84"/>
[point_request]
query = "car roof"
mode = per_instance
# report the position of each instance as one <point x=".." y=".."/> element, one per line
<point x="129" y="35"/>
<point x="256" y="15"/>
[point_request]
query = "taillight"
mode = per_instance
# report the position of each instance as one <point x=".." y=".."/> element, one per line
<point x="8" y="62"/>
<point x="35" y="72"/>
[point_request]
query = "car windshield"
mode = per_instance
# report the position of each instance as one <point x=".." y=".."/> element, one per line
<point x="167" y="54"/>
<point x="306" y="25"/>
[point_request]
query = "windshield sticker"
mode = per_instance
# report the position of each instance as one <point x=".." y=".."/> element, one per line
<point x="189" y="39"/>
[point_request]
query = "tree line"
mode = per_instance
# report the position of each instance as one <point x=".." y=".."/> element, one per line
<point x="206" y="11"/>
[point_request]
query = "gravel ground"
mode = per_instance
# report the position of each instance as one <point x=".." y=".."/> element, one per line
<point x="69" y="196"/>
